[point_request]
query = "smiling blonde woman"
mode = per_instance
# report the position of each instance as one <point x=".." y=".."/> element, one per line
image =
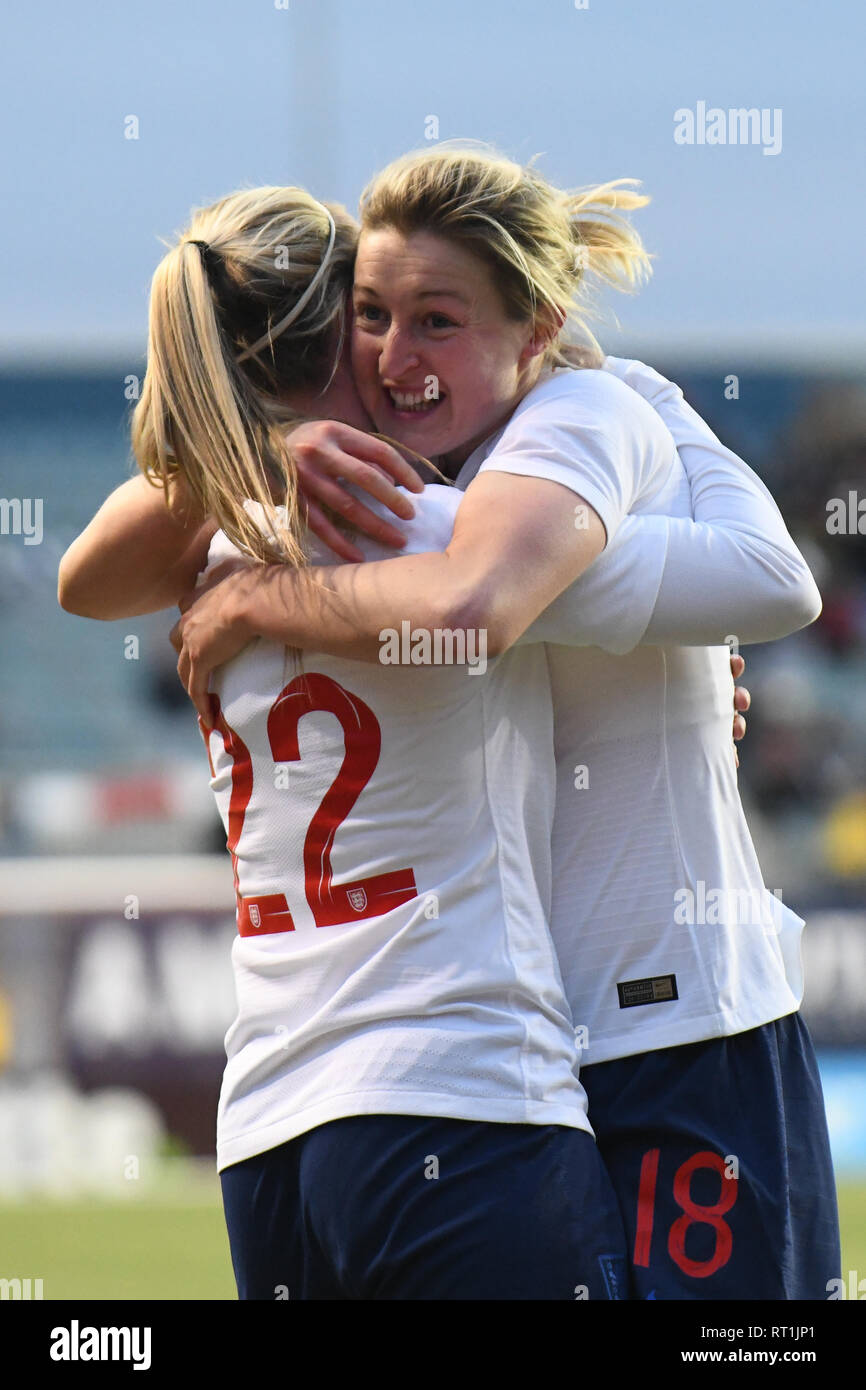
<point x="551" y="448"/>
<point x="469" y="268"/>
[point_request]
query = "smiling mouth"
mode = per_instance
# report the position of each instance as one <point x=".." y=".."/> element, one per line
<point x="411" y="403"/>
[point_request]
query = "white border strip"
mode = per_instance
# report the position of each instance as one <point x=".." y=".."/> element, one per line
<point x="162" y="883"/>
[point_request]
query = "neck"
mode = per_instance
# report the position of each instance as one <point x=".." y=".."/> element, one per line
<point x="452" y="462"/>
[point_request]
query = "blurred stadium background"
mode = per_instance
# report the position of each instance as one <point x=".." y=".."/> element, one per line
<point x="116" y="913"/>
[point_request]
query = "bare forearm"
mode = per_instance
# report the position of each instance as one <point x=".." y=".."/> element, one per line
<point x="514" y="547"/>
<point x="513" y="550"/>
<point x="135" y="556"/>
<point x="343" y="609"/>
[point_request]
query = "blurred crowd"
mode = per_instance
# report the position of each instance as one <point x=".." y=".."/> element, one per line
<point x="803" y="762"/>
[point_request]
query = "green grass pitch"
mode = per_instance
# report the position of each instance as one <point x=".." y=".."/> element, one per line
<point x="118" y="1250"/>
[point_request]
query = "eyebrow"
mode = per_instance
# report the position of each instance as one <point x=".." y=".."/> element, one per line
<point x="425" y="294"/>
<point x="443" y="294"/>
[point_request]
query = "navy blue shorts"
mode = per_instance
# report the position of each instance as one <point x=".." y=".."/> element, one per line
<point x="406" y="1207"/>
<point x="721" y="1161"/>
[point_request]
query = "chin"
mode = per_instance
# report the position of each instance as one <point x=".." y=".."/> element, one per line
<point x="427" y="444"/>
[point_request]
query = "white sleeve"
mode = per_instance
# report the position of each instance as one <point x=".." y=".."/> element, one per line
<point x="583" y="429"/>
<point x="734" y="570"/>
<point x="612" y="602"/>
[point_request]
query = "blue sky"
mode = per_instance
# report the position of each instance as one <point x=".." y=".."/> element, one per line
<point x="757" y="255"/>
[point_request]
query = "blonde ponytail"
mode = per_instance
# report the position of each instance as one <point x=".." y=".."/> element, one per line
<point x="225" y="349"/>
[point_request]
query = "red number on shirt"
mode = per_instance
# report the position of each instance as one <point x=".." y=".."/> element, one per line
<point x="646" y="1198"/>
<point x="242" y="776"/>
<point x="693" y="1213"/>
<point x="331" y="904"/>
<point x="703" y="1215"/>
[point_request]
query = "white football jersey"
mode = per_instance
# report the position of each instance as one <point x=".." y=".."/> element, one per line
<point x="390" y="831"/>
<point x="665" y="931"/>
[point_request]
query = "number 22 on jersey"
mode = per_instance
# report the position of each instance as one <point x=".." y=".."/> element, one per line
<point x="331" y="904"/>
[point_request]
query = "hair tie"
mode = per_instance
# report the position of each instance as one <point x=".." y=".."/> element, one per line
<point x="293" y="313"/>
<point x="205" y="251"/>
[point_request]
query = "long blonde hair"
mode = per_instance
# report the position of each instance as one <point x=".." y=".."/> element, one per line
<point x="213" y="405"/>
<point x="539" y="242"/>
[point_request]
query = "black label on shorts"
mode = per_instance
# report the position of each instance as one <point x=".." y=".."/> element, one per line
<point x="656" y="990"/>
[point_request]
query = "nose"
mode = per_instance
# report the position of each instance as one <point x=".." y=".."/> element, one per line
<point x="399" y="354"/>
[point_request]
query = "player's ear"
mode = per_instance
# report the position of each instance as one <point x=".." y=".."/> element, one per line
<point x="547" y="324"/>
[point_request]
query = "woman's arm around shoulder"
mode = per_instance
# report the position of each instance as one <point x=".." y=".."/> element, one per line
<point x="137" y="555"/>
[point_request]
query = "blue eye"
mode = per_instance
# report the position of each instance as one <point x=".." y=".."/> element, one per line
<point x="441" y="321"/>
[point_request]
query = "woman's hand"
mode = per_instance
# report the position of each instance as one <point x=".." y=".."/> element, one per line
<point x="742" y="701"/>
<point x="327" y="455"/>
<point x="212" y="629"/>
